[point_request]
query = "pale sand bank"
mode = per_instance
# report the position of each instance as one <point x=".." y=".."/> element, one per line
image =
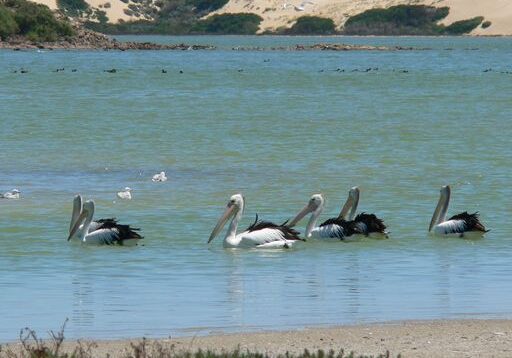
<point x="460" y="338"/>
<point x="283" y="13"/>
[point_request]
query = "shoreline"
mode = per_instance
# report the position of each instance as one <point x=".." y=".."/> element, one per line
<point x="433" y="338"/>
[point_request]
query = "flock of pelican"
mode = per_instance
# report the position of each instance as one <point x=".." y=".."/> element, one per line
<point x="348" y="225"/>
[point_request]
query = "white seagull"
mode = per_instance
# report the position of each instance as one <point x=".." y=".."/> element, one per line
<point x="159" y="177"/>
<point x="125" y="194"/>
<point x="343" y="227"/>
<point x="109" y="232"/>
<point x="460" y="225"/>
<point x="261" y="234"/>
<point x="13" y="194"/>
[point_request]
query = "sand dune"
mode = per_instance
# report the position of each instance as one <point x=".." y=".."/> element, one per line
<point x="283" y="13"/>
<point x="114" y="13"/>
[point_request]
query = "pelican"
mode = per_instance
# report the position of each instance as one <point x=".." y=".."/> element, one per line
<point x="261" y="234"/>
<point x="77" y="210"/>
<point x="13" y="194"/>
<point x="460" y="225"/>
<point x="343" y="227"/>
<point x="108" y="233"/>
<point x="125" y="194"/>
<point x="159" y="177"/>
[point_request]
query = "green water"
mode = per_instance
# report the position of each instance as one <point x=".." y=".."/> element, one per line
<point x="277" y="126"/>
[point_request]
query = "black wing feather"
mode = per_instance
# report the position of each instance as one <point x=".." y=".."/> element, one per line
<point x="346" y="228"/>
<point x="372" y="222"/>
<point x="471" y="221"/>
<point x="123" y="232"/>
<point x="288" y="232"/>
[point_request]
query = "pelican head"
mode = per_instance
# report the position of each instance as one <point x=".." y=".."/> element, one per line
<point x="314" y="206"/>
<point x="15" y="191"/>
<point x="442" y="207"/>
<point x="77" y="208"/>
<point x="127" y="189"/>
<point x="84" y="219"/>
<point x="351" y="204"/>
<point x="234" y="206"/>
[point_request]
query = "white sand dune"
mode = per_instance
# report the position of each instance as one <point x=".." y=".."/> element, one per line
<point x="114" y="13"/>
<point x="283" y="13"/>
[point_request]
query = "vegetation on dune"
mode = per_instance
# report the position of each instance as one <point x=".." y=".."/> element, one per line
<point x="486" y="24"/>
<point x="35" y="21"/>
<point x="407" y="20"/>
<point x="229" y="24"/>
<point x="73" y="7"/>
<point x="312" y="25"/>
<point x="397" y="20"/>
<point x="176" y="17"/>
<point x="463" y="26"/>
<point x="8" y="25"/>
<point x="34" y="347"/>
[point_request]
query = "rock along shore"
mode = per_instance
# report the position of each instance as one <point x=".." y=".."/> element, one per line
<point x="90" y="40"/>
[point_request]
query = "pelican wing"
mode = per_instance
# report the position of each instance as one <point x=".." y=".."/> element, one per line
<point x="286" y="232"/>
<point x="110" y="232"/>
<point x="468" y="222"/>
<point x="95" y="225"/>
<point x="369" y="223"/>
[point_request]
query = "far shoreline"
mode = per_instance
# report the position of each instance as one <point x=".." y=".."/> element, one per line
<point x="418" y="338"/>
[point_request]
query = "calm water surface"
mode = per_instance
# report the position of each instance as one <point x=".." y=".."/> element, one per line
<point x="285" y="126"/>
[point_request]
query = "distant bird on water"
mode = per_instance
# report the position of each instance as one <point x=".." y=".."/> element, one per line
<point x="109" y="232"/>
<point x="13" y="194"/>
<point x="159" y="177"/>
<point x="125" y="194"/>
<point x="461" y="225"/>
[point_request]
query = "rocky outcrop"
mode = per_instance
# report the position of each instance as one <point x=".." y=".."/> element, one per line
<point x="87" y="39"/>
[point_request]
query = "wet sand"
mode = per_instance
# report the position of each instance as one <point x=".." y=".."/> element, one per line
<point x="460" y="338"/>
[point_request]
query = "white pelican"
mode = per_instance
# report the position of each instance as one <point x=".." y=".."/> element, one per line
<point x="13" y="194"/>
<point x="108" y="233"/>
<point x="159" y="177"/>
<point x="261" y="234"/>
<point x="77" y="210"/>
<point x="463" y="224"/>
<point x="125" y="194"/>
<point x="344" y="226"/>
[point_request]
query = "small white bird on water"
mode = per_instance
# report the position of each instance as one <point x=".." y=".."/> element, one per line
<point x="125" y="194"/>
<point x="13" y="194"/>
<point x="159" y="177"/>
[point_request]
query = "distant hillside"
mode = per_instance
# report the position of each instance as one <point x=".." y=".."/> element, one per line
<point x="182" y="16"/>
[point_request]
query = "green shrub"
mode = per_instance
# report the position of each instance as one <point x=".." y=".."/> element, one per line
<point x="8" y="25"/>
<point x="73" y="7"/>
<point x="37" y="22"/>
<point x="486" y="24"/>
<point x="207" y="5"/>
<point x="235" y="24"/>
<point x="397" y="20"/>
<point x="463" y="26"/>
<point x="312" y="25"/>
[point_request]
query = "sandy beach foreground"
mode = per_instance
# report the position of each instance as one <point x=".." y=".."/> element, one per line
<point x="460" y="338"/>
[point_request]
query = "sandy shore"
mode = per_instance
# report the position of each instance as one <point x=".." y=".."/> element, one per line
<point x="460" y="338"/>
